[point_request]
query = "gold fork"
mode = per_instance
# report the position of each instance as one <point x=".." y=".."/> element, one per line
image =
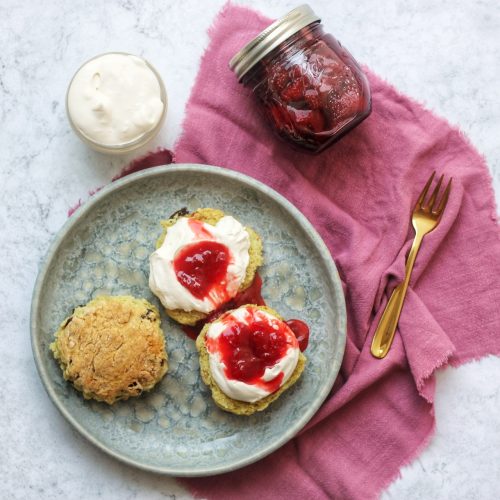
<point x="425" y="218"/>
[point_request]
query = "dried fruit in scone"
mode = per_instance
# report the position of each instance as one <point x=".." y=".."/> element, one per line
<point x="112" y="349"/>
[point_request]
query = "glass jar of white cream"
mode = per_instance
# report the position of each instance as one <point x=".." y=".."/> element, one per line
<point x="116" y="102"/>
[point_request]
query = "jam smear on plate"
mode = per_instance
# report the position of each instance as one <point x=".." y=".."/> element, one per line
<point x="252" y="295"/>
<point x="301" y="331"/>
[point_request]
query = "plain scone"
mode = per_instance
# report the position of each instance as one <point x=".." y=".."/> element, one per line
<point x="112" y="348"/>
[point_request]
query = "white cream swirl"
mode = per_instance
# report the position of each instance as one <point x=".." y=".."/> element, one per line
<point x="163" y="280"/>
<point x="115" y="99"/>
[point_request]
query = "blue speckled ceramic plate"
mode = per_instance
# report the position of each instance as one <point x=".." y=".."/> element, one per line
<point x="104" y="248"/>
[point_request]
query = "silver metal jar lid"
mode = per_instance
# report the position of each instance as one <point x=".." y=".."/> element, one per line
<point x="270" y="38"/>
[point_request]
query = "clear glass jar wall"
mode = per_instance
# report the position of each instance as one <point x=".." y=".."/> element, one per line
<point x="310" y="88"/>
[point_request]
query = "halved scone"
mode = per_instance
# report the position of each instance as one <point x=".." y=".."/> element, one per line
<point x="162" y="285"/>
<point x="213" y="366"/>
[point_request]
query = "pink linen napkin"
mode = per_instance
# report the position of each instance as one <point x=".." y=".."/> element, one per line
<point x="359" y="195"/>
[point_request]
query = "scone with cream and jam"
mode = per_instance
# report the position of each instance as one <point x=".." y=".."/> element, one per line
<point x="112" y="348"/>
<point x="203" y="260"/>
<point x="248" y="357"/>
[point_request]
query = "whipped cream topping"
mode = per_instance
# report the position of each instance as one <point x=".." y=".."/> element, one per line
<point x="237" y="389"/>
<point x="115" y="99"/>
<point x="162" y="277"/>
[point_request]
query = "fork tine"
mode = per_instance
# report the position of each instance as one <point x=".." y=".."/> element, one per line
<point x="444" y="200"/>
<point x="423" y="194"/>
<point x="432" y="199"/>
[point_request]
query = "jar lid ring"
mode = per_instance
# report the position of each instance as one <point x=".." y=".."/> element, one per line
<point x="270" y="38"/>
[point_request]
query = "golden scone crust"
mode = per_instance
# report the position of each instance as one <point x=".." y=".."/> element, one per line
<point x="232" y="405"/>
<point x="112" y="348"/>
<point x="212" y="216"/>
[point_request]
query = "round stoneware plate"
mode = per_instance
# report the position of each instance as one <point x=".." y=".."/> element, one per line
<point x="104" y="249"/>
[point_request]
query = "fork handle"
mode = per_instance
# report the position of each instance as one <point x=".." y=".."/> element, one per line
<point x="384" y="334"/>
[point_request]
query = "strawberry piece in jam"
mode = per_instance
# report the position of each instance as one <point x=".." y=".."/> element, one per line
<point x="279" y="79"/>
<point x="201" y="267"/>
<point x="312" y="98"/>
<point x="308" y="120"/>
<point x="295" y="91"/>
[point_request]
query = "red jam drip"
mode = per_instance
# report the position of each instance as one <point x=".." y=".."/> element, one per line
<point x="248" y="348"/>
<point x="301" y="331"/>
<point x="252" y="295"/>
<point x="201" y="267"/>
<point x="199" y="229"/>
<point x="191" y="331"/>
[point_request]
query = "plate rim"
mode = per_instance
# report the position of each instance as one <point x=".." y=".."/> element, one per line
<point x="115" y="186"/>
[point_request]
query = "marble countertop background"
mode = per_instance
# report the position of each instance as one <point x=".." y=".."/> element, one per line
<point x="443" y="53"/>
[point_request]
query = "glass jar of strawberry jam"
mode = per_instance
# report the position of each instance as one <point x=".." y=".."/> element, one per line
<point x="311" y="88"/>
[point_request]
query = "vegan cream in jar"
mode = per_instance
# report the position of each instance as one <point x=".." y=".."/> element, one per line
<point x="116" y="102"/>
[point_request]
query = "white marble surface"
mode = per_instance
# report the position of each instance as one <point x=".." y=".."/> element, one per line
<point x="444" y="53"/>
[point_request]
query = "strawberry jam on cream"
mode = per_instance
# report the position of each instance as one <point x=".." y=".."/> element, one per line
<point x="199" y="267"/>
<point x="252" y="353"/>
<point x="202" y="267"/>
